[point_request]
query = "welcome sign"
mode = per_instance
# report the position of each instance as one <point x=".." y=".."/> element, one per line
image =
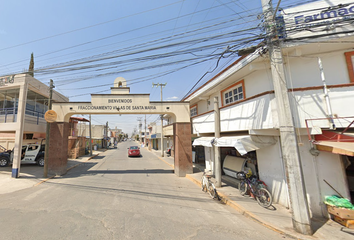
<point x="319" y="19"/>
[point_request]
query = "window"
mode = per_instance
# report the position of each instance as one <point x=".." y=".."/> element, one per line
<point x="233" y="93"/>
<point x="194" y="111"/>
<point x="349" y="59"/>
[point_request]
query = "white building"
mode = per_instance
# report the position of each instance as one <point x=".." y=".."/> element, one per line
<point x="249" y="116"/>
<point x="23" y="103"/>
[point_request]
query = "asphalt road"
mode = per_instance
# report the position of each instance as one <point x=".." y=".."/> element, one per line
<point x="116" y="197"/>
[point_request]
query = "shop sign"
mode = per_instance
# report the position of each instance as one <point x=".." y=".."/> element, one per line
<point x="50" y="116"/>
<point x="6" y="80"/>
<point x="321" y="18"/>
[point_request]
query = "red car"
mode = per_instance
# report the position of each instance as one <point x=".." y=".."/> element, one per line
<point x="133" y="151"/>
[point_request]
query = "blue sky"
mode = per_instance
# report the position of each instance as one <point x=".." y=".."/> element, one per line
<point x="174" y="41"/>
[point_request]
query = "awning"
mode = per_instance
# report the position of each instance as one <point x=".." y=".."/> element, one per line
<point x="246" y="143"/>
<point x="80" y="119"/>
<point x="335" y="142"/>
<point x="343" y="148"/>
<point x="203" y="141"/>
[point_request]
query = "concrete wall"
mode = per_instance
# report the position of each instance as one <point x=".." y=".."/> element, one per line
<point x="271" y="170"/>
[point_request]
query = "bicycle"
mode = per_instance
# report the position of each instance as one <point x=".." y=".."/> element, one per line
<point x="208" y="185"/>
<point x="256" y="188"/>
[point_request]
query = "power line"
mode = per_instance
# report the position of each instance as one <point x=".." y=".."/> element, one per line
<point x="91" y="26"/>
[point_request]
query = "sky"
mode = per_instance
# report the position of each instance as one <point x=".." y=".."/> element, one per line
<point x="84" y="45"/>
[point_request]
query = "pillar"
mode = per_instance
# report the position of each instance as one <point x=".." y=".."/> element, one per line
<point x="217" y="149"/>
<point x="58" y="148"/>
<point x="182" y="149"/>
<point x="21" y="113"/>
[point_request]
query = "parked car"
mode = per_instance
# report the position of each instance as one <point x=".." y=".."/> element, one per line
<point x="133" y="151"/>
<point x="32" y="153"/>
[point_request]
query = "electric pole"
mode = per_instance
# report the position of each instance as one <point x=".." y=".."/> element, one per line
<point x="162" y="146"/>
<point x="47" y="131"/>
<point x="140" y="126"/>
<point x="145" y="133"/>
<point x="290" y="152"/>
<point x="106" y="134"/>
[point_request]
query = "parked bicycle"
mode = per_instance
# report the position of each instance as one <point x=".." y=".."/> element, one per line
<point x="208" y="185"/>
<point x="257" y="189"/>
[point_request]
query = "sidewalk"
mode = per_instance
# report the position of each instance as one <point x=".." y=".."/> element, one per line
<point x="31" y="175"/>
<point x="277" y="218"/>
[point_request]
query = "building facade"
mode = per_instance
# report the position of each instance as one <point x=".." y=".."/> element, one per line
<point x="249" y="118"/>
<point x="23" y="103"/>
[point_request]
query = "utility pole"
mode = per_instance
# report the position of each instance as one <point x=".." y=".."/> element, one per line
<point x="47" y="131"/>
<point x="161" y="85"/>
<point x="140" y="126"/>
<point x="90" y="136"/>
<point x="145" y="133"/>
<point x="106" y="134"/>
<point x="290" y="152"/>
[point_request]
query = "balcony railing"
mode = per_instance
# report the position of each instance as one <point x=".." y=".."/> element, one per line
<point x="8" y="115"/>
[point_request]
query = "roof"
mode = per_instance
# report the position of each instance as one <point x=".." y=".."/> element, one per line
<point x="225" y="73"/>
<point x="79" y="119"/>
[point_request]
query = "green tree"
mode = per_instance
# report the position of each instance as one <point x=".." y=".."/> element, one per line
<point x="31" y="66"/>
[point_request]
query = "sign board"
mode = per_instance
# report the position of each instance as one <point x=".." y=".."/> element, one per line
<point x="50" y="116"/>
<point x="116" y="103"/>
<point x="319" y="19"/>
<point x="7" y="80"/>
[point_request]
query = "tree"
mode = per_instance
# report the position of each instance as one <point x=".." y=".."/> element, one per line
<point x="31" y="66"/>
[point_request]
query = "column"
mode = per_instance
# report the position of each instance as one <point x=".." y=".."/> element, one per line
<point x="182" y="149"/>
<point x="58" y="148"/>
<point x="21" y="112"/>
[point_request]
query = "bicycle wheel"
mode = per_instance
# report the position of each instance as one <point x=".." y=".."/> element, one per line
<point x="264" y="198"/>
<point x="212" y="190"/>
<point x="243" y="188"/>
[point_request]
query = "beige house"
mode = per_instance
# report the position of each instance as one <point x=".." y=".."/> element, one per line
<point x="23" y="88"/>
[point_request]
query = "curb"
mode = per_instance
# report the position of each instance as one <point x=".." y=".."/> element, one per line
<point x="226" y="200"/>
<point x="82" y="162"/>
<point x="45" y="180"/>
<point x="171" y="165"/>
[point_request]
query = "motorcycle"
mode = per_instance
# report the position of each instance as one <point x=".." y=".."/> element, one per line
<point x="168" y="151"/>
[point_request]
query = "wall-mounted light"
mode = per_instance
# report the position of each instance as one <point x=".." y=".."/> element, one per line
<point x="167" y="108"/>
<point x="71" y="108"/>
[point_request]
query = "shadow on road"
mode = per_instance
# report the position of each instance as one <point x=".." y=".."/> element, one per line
<point x="127" y="171"/>
<point x="121" y="191"/>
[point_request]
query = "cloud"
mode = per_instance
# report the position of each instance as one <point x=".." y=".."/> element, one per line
<point x="172" y="98"/>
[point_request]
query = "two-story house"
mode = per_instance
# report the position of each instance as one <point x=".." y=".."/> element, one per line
<point x="23" y="103"/>
<point x="320" y="107"/>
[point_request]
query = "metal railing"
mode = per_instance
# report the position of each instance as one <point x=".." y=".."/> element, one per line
<point x="10" y="115"/>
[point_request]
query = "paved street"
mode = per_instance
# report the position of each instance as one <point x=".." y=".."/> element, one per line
<point x="116" y="197"/>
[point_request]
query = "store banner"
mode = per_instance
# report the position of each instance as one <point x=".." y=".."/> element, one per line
<point x="317" y="19"/>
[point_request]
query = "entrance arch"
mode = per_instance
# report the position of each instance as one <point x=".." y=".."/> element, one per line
<point x="120" y="101"/>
